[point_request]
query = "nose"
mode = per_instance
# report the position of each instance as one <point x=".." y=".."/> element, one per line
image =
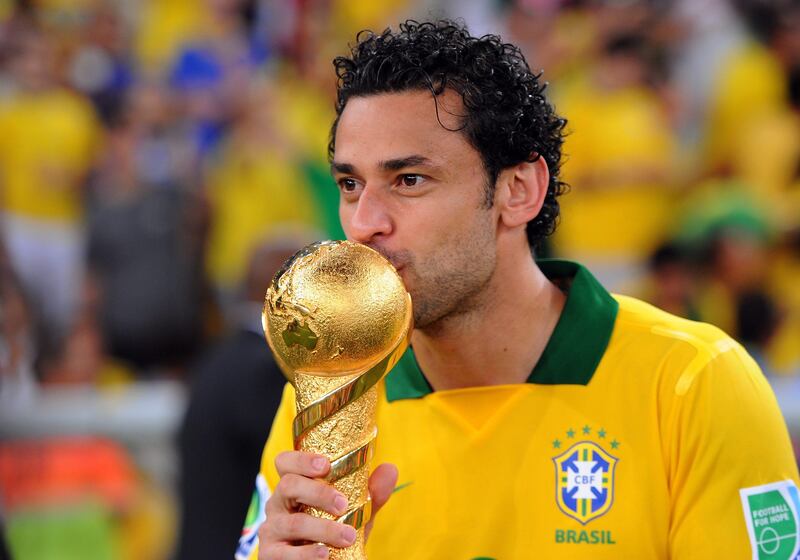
<point x="368" y="218"/>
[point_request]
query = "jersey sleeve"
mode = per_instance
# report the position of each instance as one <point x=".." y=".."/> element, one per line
<point x="730" y="464"/>
<point x="280" y="440"/>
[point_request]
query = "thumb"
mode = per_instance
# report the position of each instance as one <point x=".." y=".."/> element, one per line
<point x="381" y="486"/>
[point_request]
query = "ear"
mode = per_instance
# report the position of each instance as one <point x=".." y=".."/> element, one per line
<point x="521" y="192"/>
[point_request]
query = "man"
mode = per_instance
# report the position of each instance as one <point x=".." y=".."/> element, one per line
<point x="536" y="415"/>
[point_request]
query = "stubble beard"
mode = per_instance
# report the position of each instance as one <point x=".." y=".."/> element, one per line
<point x="449" y="301"/>
<point x="450" y="286"/>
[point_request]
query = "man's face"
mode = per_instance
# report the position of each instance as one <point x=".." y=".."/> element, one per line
<point x="33" y="66"/>
<point x="415" y="191"/>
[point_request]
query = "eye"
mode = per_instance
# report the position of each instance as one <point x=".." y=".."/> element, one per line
<point x="411" y="180"/>
<point x="348" y="184"/>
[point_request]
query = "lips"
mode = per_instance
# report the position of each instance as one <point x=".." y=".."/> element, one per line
<point x="403" y="276"/>
<point x="396" y="258"/>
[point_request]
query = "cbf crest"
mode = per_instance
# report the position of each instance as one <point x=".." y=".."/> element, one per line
<point x="585" y="481"/>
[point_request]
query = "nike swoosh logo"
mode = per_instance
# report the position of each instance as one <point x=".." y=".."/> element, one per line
<point x="401" y="486"/>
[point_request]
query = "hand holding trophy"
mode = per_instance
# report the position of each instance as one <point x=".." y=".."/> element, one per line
<point x="338" y="318"/>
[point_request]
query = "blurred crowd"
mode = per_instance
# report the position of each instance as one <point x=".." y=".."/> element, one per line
<point x="683" y="156"/>
<point x="154" y="154"/>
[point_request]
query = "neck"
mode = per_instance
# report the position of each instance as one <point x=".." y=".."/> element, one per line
<point x="500" y="340"/>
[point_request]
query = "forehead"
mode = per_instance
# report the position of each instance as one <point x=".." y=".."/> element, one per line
<point x="396" y="123"/>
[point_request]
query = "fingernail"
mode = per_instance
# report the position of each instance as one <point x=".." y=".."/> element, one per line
<point x="340" y="503"/>
<point x="349" y="534"/>
<point x="322" y="552"/>
<point x="318" y="463"/>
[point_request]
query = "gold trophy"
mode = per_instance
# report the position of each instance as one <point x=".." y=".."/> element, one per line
<point x="338" y="318"/>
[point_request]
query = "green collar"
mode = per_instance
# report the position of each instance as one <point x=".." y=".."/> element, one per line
<point x="573" y="352"/>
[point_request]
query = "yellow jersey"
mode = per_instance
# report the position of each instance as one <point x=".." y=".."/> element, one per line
<point x="750" y="85"/>
<point x="254" y="194"/>
<point x="638" y="435"/>
<point x="620" y="159"/>
<point x="48" y="142"/>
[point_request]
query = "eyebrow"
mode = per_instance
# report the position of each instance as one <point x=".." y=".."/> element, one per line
<point x="395" y="164"/>
<point x="402" y="163"/>
<point x="343" y="168"/>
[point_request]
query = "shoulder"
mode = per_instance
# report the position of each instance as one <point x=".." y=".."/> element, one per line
<point x="642" y="319"/>
<point x="678" y="351"/>
<point x="280" y="435"/>
<point x="10" y="108"/>
<point x="71" y="99"/>
<point x="71" y="108"/>
<point x="707" y="387"/>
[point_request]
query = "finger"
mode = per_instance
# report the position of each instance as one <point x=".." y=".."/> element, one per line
<point x="303" y="527"/>
<point x="299" y="462"/>
<point x="293" y="490"/>
<point x="381" y="486"/>
<point x="287" y="552"/>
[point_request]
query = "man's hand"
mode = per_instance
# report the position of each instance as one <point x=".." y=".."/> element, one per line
<point x="382" y="483"/>
<point x="286" y="533"/>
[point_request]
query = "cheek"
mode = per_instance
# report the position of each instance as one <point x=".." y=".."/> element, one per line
<point x="444" y="237"/>
<point x="345" y="217"/>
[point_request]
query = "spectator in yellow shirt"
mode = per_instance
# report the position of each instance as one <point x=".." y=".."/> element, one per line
<point x="47" y="148"/>
<point x="620" y="154"/>
<point x="255" y="187"/>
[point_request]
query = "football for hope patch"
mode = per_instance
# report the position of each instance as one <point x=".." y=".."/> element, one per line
<point x="771" y="515"/>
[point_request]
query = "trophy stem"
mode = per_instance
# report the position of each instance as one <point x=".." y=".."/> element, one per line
<point x="346" y="437"/>
<point x="336" y="418"/>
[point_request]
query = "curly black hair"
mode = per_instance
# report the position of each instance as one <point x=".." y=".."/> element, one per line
<point x="507" y="120"/>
